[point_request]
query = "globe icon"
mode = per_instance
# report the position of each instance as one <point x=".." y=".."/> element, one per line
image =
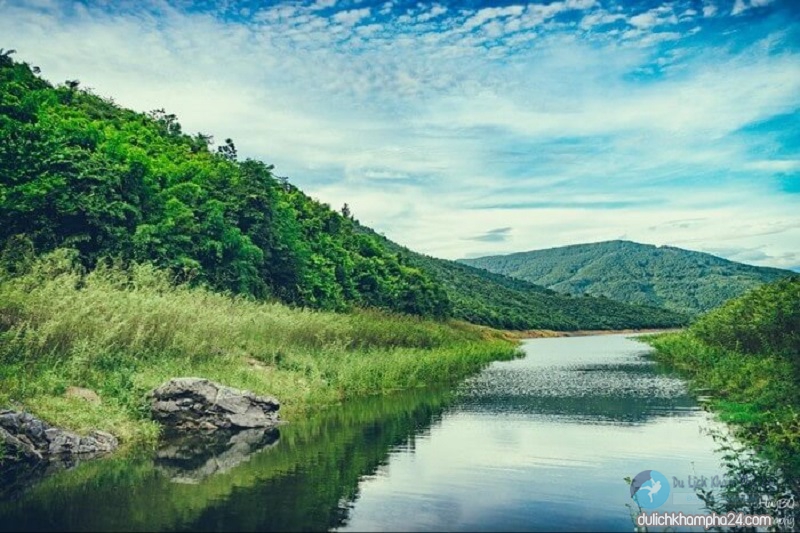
<point x="650" y="489"/>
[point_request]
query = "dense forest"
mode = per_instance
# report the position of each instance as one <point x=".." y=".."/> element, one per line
<point x="78" y="171"/>
<point x="677" y="279"/>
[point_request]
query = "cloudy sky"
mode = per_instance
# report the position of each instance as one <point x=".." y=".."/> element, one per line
<point x="470" y="128"/>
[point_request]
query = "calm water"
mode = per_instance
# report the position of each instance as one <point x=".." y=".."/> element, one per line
<point x="540" y="443"/>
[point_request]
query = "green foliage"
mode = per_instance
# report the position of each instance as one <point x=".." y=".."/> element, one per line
<point x="753" y="485"/>
<point x="78" y="171"/>
<point x="765" y="320"/>
<point x="681" y="280"/>
<point x="746" y="354"/>
<point x="482" y="297"/>
<point x="123" y="331"/>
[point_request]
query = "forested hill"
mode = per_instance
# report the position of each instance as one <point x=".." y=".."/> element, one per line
<point x="677" y="279"/>
<point x="78" y="171"/>
<point x="483" y="297"/>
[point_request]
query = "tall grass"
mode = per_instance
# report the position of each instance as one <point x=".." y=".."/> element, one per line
<point x="123" y="331"/>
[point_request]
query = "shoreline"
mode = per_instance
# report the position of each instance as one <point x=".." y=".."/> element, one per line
<point x="546" y="333"/>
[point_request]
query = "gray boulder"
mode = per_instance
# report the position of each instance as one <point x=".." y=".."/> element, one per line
<point x="197" y="403"/>
<point x="28" y="439"/>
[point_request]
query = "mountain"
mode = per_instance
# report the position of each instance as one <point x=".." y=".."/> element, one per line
<point x="78" y="171"/>
<point x="483" y="297"/>
<point x="680" y="280"/>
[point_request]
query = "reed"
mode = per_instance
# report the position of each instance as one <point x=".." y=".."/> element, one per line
<point x="123" y="331"/>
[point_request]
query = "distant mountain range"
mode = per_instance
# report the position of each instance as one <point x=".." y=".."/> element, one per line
<point x="500" y="301"/>
<point x="673" y="278"/>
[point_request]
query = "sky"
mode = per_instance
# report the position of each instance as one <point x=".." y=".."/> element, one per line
<point x="462" y="129"/>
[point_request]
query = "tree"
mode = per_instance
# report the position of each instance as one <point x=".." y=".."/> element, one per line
<point x="167" y="121"/>
<point x="228" y="150"/>
<point x="5" y="56"/>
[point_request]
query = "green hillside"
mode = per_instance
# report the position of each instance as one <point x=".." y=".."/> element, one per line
<point x="483" y="297"/>
<point x="78" y="171"/>
<point x="746" y="356"/>
<point x="681" y="280"/>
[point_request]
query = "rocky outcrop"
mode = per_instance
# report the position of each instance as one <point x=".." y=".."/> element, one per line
<point x="31" y="449"/>
<point x="198" y="403"/>
<point x="27" y="439"/>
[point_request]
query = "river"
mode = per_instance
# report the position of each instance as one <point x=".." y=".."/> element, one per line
<point x="543" y="442"/>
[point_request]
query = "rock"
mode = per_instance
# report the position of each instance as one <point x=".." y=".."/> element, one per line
<point x="97" y="442"/>
<point x="84" y="394"/>
<point x="25" y="438"/>
<point x="31" y="449"/>
<point x="16" y="450"/>
<point x="197" y="403"/>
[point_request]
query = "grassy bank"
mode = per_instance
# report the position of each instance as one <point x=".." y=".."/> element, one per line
<point x="746" y="357"/>
<point x="121" y="332"/>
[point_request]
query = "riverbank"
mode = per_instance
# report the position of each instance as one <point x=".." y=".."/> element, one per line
<point x="547" y="333"/>
<point x="121" y="333"/>
<point x="745" y="356"/>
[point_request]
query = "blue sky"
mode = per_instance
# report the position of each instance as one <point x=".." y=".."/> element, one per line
<point x="474" y="128"/>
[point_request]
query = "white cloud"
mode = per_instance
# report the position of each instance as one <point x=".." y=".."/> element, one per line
<point x="775" y="165"/>
<point x="580" y="4"/>
<point x="644" y="20"/>
<point x="435" y="11"/>
<point x="738" y="7"/>
<point x="709" y="9"/>
<point x="386" y="8"/>
<point x="323" y="4"/>
<point x="352" y="16"/>
<point x="654" y="17"/>
<point x="598" y="18"/>
<point x="491" y="13"/>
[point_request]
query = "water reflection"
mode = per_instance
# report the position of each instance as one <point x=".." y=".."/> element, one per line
<point x="544" y="443"/>
<point x="17" y="478"/>
<point x="302" y="480"/>
<point x="192" y="458"/>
